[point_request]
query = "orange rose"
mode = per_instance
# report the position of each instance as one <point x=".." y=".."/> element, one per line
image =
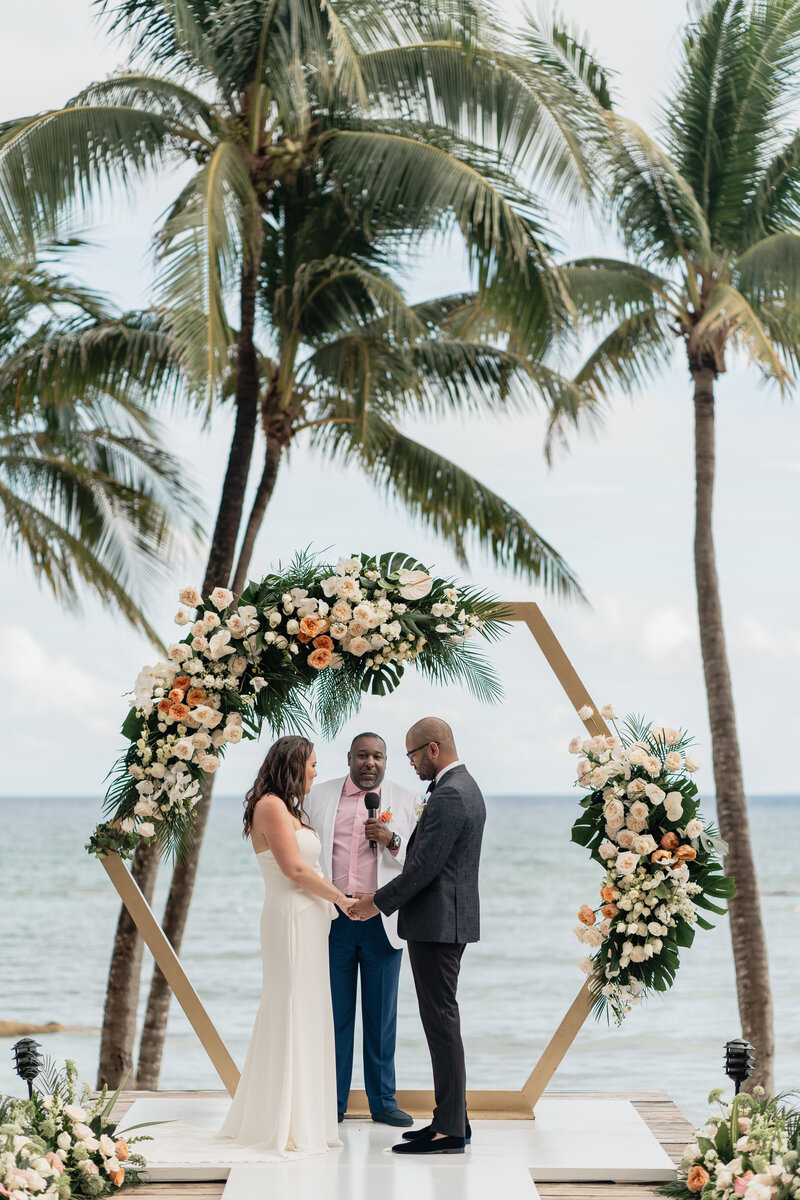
<point x="176" y="695"/>
<point x="164" y="706"/>
<point x="121" y="1149"/>
<point x="180" y="711"/>
<point x="685" y="854"/>
<point x="670" y="841"/>
<point x="585" y="915"/>
<point x="609" y="910"/>
<point x="661" y="856"/>
<point x="320" y="659"/>
<point x="117" y="1177"/>
<point x="182" y="682"/>
<point x="386" y="816"/>
<point x="196" y="696"/>
<point x="323" y="642"/>
<point x="608" y="894"/>
<point x="697" y="1179"/>
<point x="310" y="627"/>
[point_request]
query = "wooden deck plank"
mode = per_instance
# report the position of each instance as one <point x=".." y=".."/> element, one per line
<point x="663" y="1117"/>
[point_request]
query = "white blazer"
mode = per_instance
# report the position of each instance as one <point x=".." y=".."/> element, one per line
<point x="322" y="804"/>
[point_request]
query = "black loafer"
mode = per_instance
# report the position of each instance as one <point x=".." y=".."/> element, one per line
<point x="431" y="1145"/>
<point x="415" y="1133"/>
<point x="393" y="1116"/>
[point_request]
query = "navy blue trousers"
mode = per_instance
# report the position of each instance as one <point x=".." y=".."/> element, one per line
<point x="362" y="949"/>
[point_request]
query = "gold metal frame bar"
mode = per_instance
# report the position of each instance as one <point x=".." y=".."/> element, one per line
<point x="500" y="1105"/>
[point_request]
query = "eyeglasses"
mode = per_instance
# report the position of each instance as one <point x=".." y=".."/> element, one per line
<point x="410" y="753"/>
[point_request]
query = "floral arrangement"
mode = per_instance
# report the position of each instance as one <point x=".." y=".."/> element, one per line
<point x="748" y="1148"/>
<point x="641" y="821"/>
<point x="305" y="642"/>
<point x="59" y="1144"/>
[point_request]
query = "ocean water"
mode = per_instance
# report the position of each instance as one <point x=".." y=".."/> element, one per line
<point x="58" y="913"/>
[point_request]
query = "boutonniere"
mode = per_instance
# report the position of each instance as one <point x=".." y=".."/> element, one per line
<point x="386" y="815"/>
<point x="419" y="809"/>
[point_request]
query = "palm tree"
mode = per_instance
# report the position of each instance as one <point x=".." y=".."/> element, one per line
<point x="286" y="106"/>
<point x="712" y="217"/>
<point x="86" y="493"/>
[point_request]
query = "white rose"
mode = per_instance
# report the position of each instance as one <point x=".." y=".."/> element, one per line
<point x="413" y="585"/>
<point x="691" y="763"/>
<point x="75" y="1113"/>
<point x="292" y="627"/>
<point x="607" y="711"/>
<point x="614" y="814"/>
<point x="221" y="597"/>
<point x="329" y="585"/>
<point x="585" y="713"/>
<point x="627" y="863"/>
<point x="238" y="665"/>
<point x="218" y="738"/>
<point x="637" y="954"/>
<point x="338" y="630"/>
<point x="144" y="808"/>
<point x="672" y="736"/>
<point x="147" y="829"/>
<point x="234" y="733"/>
<point x="654" y="793"/>
<point x="348" y="566"/>
<point x="673" y="761"/>
<point x="82" y="1132"/>
<point x="199" y="643"/>
<point x="127" y="824"/>
<point x="201" y="740"/>
<point x="645" y="844"/>
<point x="236" y="625"/>
<point x="593" y="936"/>
<point x="694" y="829"/>
<point x="190" y="596"/>
<point x="639" y="811"/>
<point x="607" y="850"/>
<point x="635" y="788"/>
<point x="358" y="646"/>
<point x="348" y="589"/>
<point x="575" y="746"/>
<point x="210" y="621"/>
<point x="341" y="611"/>
<point x="586" y="965"/>
<point x="673" y="806"/>
<point x="208" y="762"/>
<point x="636" y="824"/>
<point x="183" y="749"/>
<point x="179" y="652"/>
<point x="182" y="617"/>
<point x="626" y="838"/>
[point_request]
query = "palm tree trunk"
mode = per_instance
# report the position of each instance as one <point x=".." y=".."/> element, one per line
<point x="747" y="931"/>
<point x="218" y="571"/>
<point x="272" y="459"/>
<point x="122" y="993"/>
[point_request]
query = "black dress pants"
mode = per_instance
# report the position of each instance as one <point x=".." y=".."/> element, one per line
<point x="435" y="966"/>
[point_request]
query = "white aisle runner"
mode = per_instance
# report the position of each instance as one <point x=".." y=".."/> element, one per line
<point x="571" y="1140"/>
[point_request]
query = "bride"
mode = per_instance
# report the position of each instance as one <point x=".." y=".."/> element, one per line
<point x="286" y="1099"/>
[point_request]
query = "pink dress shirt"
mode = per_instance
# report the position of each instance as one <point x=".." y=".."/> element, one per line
<point x="353" y="865"/>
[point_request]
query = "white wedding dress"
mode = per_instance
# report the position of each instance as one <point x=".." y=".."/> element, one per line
<point x="286" y="1099"/>
<point x="285" y="1104"/>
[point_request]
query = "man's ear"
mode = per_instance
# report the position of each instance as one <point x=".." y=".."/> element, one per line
<point x="349" y="756"/>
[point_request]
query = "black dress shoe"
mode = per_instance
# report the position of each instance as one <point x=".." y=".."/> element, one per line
<point x="393" y="1116"/>
<point x="431" y="1145"/>
<point x="428" y="1129"/>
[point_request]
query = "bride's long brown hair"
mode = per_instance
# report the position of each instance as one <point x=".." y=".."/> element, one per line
<point x="282" y="773"/>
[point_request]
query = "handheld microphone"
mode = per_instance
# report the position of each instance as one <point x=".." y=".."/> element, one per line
<point x="373" y="803"/>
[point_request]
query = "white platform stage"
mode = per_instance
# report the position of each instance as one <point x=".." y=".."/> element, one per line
<point x="571" y="1140"/>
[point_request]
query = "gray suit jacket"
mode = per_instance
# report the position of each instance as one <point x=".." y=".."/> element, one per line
<point x="437" y="891"/>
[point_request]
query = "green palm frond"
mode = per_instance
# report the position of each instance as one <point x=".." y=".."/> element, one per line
<point x="770" y="269"/>
<point x="210" y="227"/>
<point x="604" y="287"/>
<point x="729" y="315"/>
<point x="166" y="32"/>
<point x="451" y="502"/>
<point x="630" y="355"/>
<point x="776" y="205"/>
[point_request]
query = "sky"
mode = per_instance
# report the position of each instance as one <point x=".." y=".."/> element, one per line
<point x="618" y="506"/>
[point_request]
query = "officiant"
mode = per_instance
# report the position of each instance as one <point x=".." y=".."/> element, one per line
<point x="359" y="854"/>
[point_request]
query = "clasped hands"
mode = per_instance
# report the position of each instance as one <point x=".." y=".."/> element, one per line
<point x="360" y="908"/>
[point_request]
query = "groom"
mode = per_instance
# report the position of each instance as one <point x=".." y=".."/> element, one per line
<point x="437" y="898"/>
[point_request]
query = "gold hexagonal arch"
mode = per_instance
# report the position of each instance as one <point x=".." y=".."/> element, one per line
<point x="501" y="1105"/>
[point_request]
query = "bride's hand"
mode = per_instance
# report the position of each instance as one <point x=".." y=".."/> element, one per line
<point x="345" y="903"/>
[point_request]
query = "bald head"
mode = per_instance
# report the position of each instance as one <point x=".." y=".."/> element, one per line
<point x="430" y="746"/>
<point x="433" y="729"/>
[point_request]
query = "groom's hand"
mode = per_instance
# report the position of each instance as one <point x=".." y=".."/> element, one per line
<point x="364" y="908"/>
<point x="377" y="831"/>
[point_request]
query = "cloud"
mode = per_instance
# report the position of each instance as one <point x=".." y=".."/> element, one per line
<point x="775" y="643"/>
<point x="667" y="632"/>
<point x="53" y="685"/>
